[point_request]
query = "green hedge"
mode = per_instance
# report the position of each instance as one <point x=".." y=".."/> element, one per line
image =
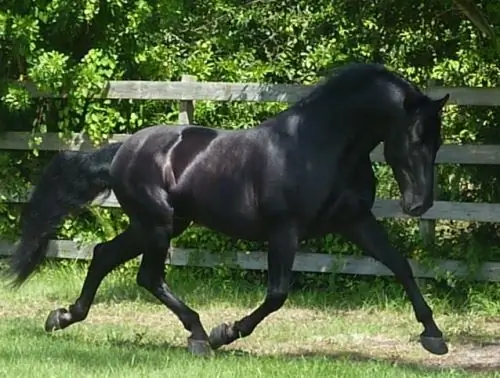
<point x="79" y="46"/>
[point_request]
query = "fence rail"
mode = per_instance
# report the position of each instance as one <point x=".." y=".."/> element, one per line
<point x="383" y="208"/>
<point x="189" y="90"/>
<point x="304" y="262"/>
<point x="483" y="154"/>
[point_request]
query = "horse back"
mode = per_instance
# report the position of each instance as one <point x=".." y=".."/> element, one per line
<point x="157" y="155"/>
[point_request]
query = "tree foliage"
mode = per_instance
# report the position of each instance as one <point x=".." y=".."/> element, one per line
<point x="75" y="47"/>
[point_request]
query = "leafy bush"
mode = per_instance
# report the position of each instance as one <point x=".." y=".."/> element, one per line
<point x="75" y="48"/>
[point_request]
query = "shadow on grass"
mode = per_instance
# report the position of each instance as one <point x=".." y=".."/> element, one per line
<point x="338" y="355"/>
<point x="115" y="352"/>
<point x="350" y="356"/>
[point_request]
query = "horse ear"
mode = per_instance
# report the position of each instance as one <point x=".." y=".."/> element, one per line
<point x="412" y="103"/>
<point x="440" y="102"/>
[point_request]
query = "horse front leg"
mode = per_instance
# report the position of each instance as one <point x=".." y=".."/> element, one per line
<point x="370" y="236"/>
<point x="283" y="245"/>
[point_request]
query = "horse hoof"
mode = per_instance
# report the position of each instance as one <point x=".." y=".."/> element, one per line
<point x="219" y="335"/>
<point x="199" y="347"/>
<point x="53" y="322"/>
<point x="434" y="345"/>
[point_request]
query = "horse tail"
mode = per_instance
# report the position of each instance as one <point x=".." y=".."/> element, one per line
<point x="71" y="180"/>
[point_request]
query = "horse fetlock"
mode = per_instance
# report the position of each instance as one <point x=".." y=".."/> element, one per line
<point x="192" y="323"/>
<point x="424" y="313"/>
<point x="78" y="312"/>
<point x="98" y="250"/>
<point x="223" y="334"/>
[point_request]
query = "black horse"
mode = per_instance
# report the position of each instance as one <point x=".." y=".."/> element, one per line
<point x="301" y="174"/>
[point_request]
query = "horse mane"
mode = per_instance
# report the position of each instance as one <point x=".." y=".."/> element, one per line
<point x="342" y="81"/>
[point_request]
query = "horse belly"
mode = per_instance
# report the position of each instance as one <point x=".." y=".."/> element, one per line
<point x="219" y="202"/>
<point x="233" y="226"/>
<point x="222" y="206"/>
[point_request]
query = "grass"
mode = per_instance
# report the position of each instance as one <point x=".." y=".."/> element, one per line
<point x="118" y="354"/>
<point x="344" y="328"/>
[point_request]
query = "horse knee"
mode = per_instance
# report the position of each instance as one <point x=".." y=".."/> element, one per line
<point x="104" y="258"/>
<point x="101" y="258"/>
<point x="153" y="237"/>
<point x="161" y="237"/>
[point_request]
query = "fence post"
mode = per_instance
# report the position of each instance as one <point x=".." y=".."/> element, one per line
<point x="186" y="107"/>
<point x="428" y="227"/>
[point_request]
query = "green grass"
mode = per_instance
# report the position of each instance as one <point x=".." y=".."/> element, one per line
<point x="113" y="352"/>
<point x="345" y="327"/>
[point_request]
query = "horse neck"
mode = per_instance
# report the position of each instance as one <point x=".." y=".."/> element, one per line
<point x="333" y="129"/>
<point x="348" y="126"/>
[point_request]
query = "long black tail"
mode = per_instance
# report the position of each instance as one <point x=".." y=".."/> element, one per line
<point x="71" y="180"/>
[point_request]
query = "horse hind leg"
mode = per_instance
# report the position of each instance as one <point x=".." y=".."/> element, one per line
<point x="106" y="257"/>
<point x="156" y="224"/>
<point x="151" y="276"/>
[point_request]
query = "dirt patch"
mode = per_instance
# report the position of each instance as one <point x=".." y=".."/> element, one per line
<point x="471" y="357"/>
<point x="474" y="357"/>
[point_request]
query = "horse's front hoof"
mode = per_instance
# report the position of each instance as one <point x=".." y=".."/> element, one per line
<point x="199" y="347"/>
<point x="53" y="322"/>
<point x="434" y="345"/>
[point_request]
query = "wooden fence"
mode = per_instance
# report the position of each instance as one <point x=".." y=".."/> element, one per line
<point x="189" y="90"/>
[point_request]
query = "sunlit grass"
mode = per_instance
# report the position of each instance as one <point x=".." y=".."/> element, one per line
<point x="345" y="327"/>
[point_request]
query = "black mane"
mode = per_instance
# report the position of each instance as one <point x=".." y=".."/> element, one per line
<point x="346" y="80"/>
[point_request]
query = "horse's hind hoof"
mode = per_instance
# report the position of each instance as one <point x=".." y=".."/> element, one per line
<point x="199" y="347"/>
<point x="53" y="322"/>
<point x="434" y="345"/>
<point x="221" y="335"/>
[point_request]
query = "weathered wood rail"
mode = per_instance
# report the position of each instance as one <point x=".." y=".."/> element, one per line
<point x="304" y="262"/>
<point x="189" y="90"/>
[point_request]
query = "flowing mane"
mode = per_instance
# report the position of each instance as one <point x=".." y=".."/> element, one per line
<point x="347" y="80"/>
